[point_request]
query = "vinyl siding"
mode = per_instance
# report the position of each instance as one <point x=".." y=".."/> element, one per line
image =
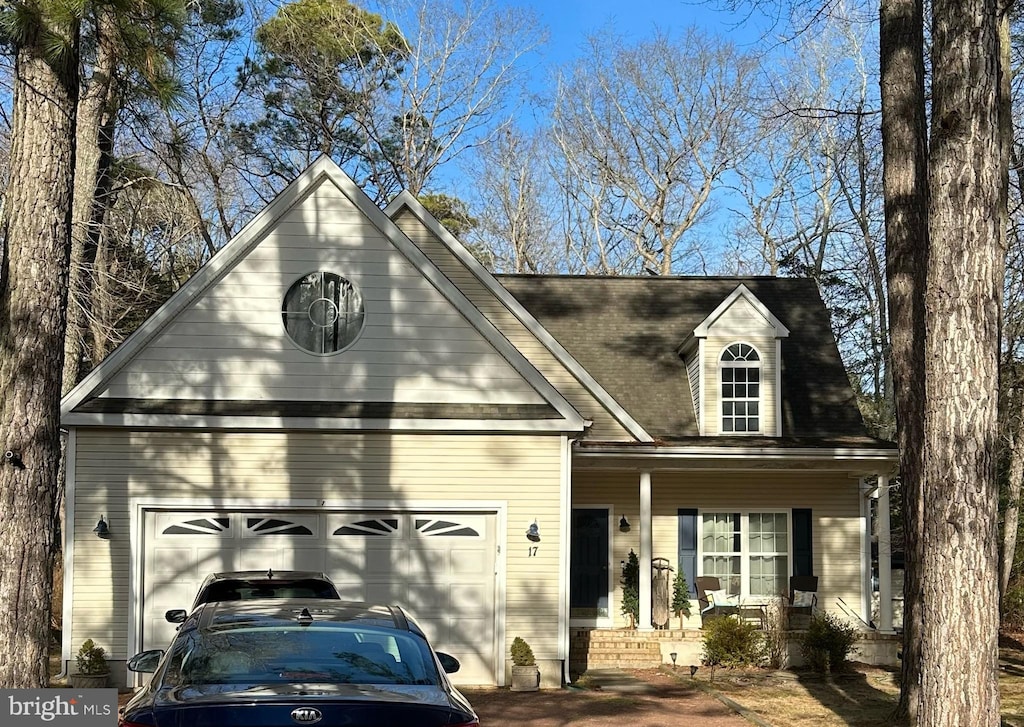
<point x="112" y="466"/>
<point x="231" y="344"/>
<point x="831" y="496"/>
<point x="605" y="426"/>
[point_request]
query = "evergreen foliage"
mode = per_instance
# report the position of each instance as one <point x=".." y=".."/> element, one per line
<point x="680" y="595"/>
<point x="522" y="654"/>
<point x="630" y="581"/>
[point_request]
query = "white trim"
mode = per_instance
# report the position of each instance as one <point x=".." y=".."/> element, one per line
<point x="189" y="421"/>
<point x="744" y="551"/>
<point x="701" y="331"/>
<point x="67" y="612"/>
<point x="884" y="557"/>
<point x="600" y="622"/>
<point x="646" y="553"/>
<point x="728" y="453"/>
<point x="139" y="506"/>
<point x="778" y="388"/>
<point x="563" y="555"/>
<point x="253" y="233"/>
<point x="407" y="200"/>
<point x="865" y="550"/>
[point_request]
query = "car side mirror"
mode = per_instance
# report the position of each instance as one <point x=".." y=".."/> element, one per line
<point x="176" y="615"/>
<point x="448" y="662"/>
<point x="146" y="662"/>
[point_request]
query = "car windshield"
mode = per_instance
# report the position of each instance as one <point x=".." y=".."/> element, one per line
<point x="245" y="590"/>
<point x="288" y="654"/>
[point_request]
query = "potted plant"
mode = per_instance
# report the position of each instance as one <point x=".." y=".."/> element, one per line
<point x="525" y="674"/>
<point x="93" y="670"/>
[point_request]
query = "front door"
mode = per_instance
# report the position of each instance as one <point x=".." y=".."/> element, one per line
<point x="588" y="566"/>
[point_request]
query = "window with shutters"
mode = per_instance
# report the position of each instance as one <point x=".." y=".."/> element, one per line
<point x="749" y="552"/>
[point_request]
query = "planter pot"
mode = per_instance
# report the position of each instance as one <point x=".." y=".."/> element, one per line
<point x="89" y="681"/>
<point x="525" y="678"/>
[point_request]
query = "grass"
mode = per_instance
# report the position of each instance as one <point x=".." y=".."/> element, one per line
<point x="863" y="697"/>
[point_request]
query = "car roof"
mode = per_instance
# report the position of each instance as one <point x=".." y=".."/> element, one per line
<point x="264" y="575"/>
<point x="270" y="612"/>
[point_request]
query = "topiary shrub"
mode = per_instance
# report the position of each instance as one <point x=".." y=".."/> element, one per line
<point x="522" y="654"/>
<point x="92" y="659"/>
<point x="680" y="597"/>
<point x="630" y="582"/>
<point x="730" y="642"/>
<point x="827" y="643"/>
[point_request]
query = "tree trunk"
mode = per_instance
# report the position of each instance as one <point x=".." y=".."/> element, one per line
<point x="963" y="301"/>
<point x="32" y="320"/>
<point x="904" y="134"/>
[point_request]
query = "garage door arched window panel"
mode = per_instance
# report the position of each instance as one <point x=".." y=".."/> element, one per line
<point x="323" y="313"/>
<point x="449" y="527"/>
<point x="259" y="526"/>
<point x="217" y="526"/>
<point x="740" y="389"/>
<point x="375" y="528"/>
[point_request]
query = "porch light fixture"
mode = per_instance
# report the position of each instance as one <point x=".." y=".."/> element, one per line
<point x="673" y="655"/>
<point x="623" y="524"/>
<point x="533" y="533"/>
<point x="101" y="529"/>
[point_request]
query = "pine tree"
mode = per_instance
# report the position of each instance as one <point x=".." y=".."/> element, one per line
<point x="631" y="589"/>
<point x="680" y="596"/>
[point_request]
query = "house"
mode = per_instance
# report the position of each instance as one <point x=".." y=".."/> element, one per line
<point x="344" y="388"/>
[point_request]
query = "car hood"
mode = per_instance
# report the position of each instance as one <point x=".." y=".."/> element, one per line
<point x="200" y="694"/>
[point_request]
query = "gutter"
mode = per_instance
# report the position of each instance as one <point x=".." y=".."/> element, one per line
<point x="730" y="453"/>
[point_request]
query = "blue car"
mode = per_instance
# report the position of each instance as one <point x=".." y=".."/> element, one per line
<point x="300" y="661"/>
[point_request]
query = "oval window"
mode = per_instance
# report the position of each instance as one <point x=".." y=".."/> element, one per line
<point x="323" y="313"/>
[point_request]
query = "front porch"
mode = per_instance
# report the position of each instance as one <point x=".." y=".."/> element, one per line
<point x="591" y="648"/>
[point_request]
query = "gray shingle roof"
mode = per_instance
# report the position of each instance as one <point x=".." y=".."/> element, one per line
<point x="626" y="332"/>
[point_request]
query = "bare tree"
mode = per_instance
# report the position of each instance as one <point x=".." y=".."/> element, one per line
<point x="646" y="133"/>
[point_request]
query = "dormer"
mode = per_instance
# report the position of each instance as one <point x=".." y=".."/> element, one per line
<point x="733" y="362"/>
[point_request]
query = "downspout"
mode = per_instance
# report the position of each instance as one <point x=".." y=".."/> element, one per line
<point x="563" y="555"/>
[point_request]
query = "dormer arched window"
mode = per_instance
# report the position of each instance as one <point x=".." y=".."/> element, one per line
<point x="740" y="375"/>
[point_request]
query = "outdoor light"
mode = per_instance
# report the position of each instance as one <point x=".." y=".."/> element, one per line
<point x="14" y="459"/>
<point x="533" y="533"/>
<point x="693" y="670"/>
<point x="101" y="529"/>
<point x="673" y="655"/>
<point x="624" y="524"/>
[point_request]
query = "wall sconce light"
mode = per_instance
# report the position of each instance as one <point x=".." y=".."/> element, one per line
<point x="14" y="459"/>
<point x="533" y="533"/>
<point x="102" y="530"/>
<point x="623" y="524"/>
<point x="673" y="655"/>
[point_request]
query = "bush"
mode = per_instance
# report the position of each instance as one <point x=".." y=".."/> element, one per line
<point x="730" y="642"/>
<point x="522" y="654"/>
<point x="1013" y="606"/>
<point x="827" y="643"/>
<point x="680" y="595"/>
<point x="630" y="582"/>
<point x="91" y="659"/>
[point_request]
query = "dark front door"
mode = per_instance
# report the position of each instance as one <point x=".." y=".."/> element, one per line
<point x="588" y="564"/>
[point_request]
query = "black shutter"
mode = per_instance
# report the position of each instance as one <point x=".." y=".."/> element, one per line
<point x="688" y="547"/>
<point x="803" y="555"/>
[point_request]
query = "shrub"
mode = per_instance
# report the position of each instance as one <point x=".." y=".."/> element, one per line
<point x="630" y="581"/>
<point x="730" y="642"/>
<point x="522" y="654"/>
<point x="680" y="595"/>
<point x="92" y="659"/>
<point x="827" y="643"/>
<point x="1013" y="606"/>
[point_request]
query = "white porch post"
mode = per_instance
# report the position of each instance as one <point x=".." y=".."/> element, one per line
<point x="865" y="549"/>
<point x="884" y="557"/>
<point x="646" y="548"/>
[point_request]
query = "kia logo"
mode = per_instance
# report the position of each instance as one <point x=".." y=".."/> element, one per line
<point x="306" y="715"/>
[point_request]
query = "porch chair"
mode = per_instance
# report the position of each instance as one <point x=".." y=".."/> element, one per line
<point x="803" y="600"/>
<point x="713" y="600"/>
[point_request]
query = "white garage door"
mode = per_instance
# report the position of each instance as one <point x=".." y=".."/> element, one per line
<point x="439" y="566"/>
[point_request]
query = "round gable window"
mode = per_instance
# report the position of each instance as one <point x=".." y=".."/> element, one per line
<point x="323" y="313"/>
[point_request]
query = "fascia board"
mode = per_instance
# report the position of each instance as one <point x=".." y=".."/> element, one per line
<point x="701" y="331"/>
<point x="407" y="200"/>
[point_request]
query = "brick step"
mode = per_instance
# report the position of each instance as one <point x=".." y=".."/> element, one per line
<point x="624" y="645"/>
<point x="654" y="651"/>
<point x="592" y="663"/>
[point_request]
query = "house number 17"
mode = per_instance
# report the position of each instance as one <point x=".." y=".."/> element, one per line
<point x="532" y="550"/>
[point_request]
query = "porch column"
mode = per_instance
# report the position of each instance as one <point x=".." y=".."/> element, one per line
<point x="646" y="548"/>
<point x="884" y="557"/>
<point x="866" y="494"/>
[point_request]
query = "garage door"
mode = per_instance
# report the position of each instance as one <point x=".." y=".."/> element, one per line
<point x="440" y="566"/>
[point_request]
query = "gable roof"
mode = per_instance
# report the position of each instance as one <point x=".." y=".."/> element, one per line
<point x="406" y="200"/>
<point x="81" y="407"/>
<point x="741" y="291"/>
<point x="626" y="331"/>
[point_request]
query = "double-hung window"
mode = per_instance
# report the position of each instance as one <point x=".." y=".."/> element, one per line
<point x="747" y="551"/>
<point x="740" y="370"/>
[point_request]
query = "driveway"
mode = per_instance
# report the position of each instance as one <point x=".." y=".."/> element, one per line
<point x="656" y="700"/>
